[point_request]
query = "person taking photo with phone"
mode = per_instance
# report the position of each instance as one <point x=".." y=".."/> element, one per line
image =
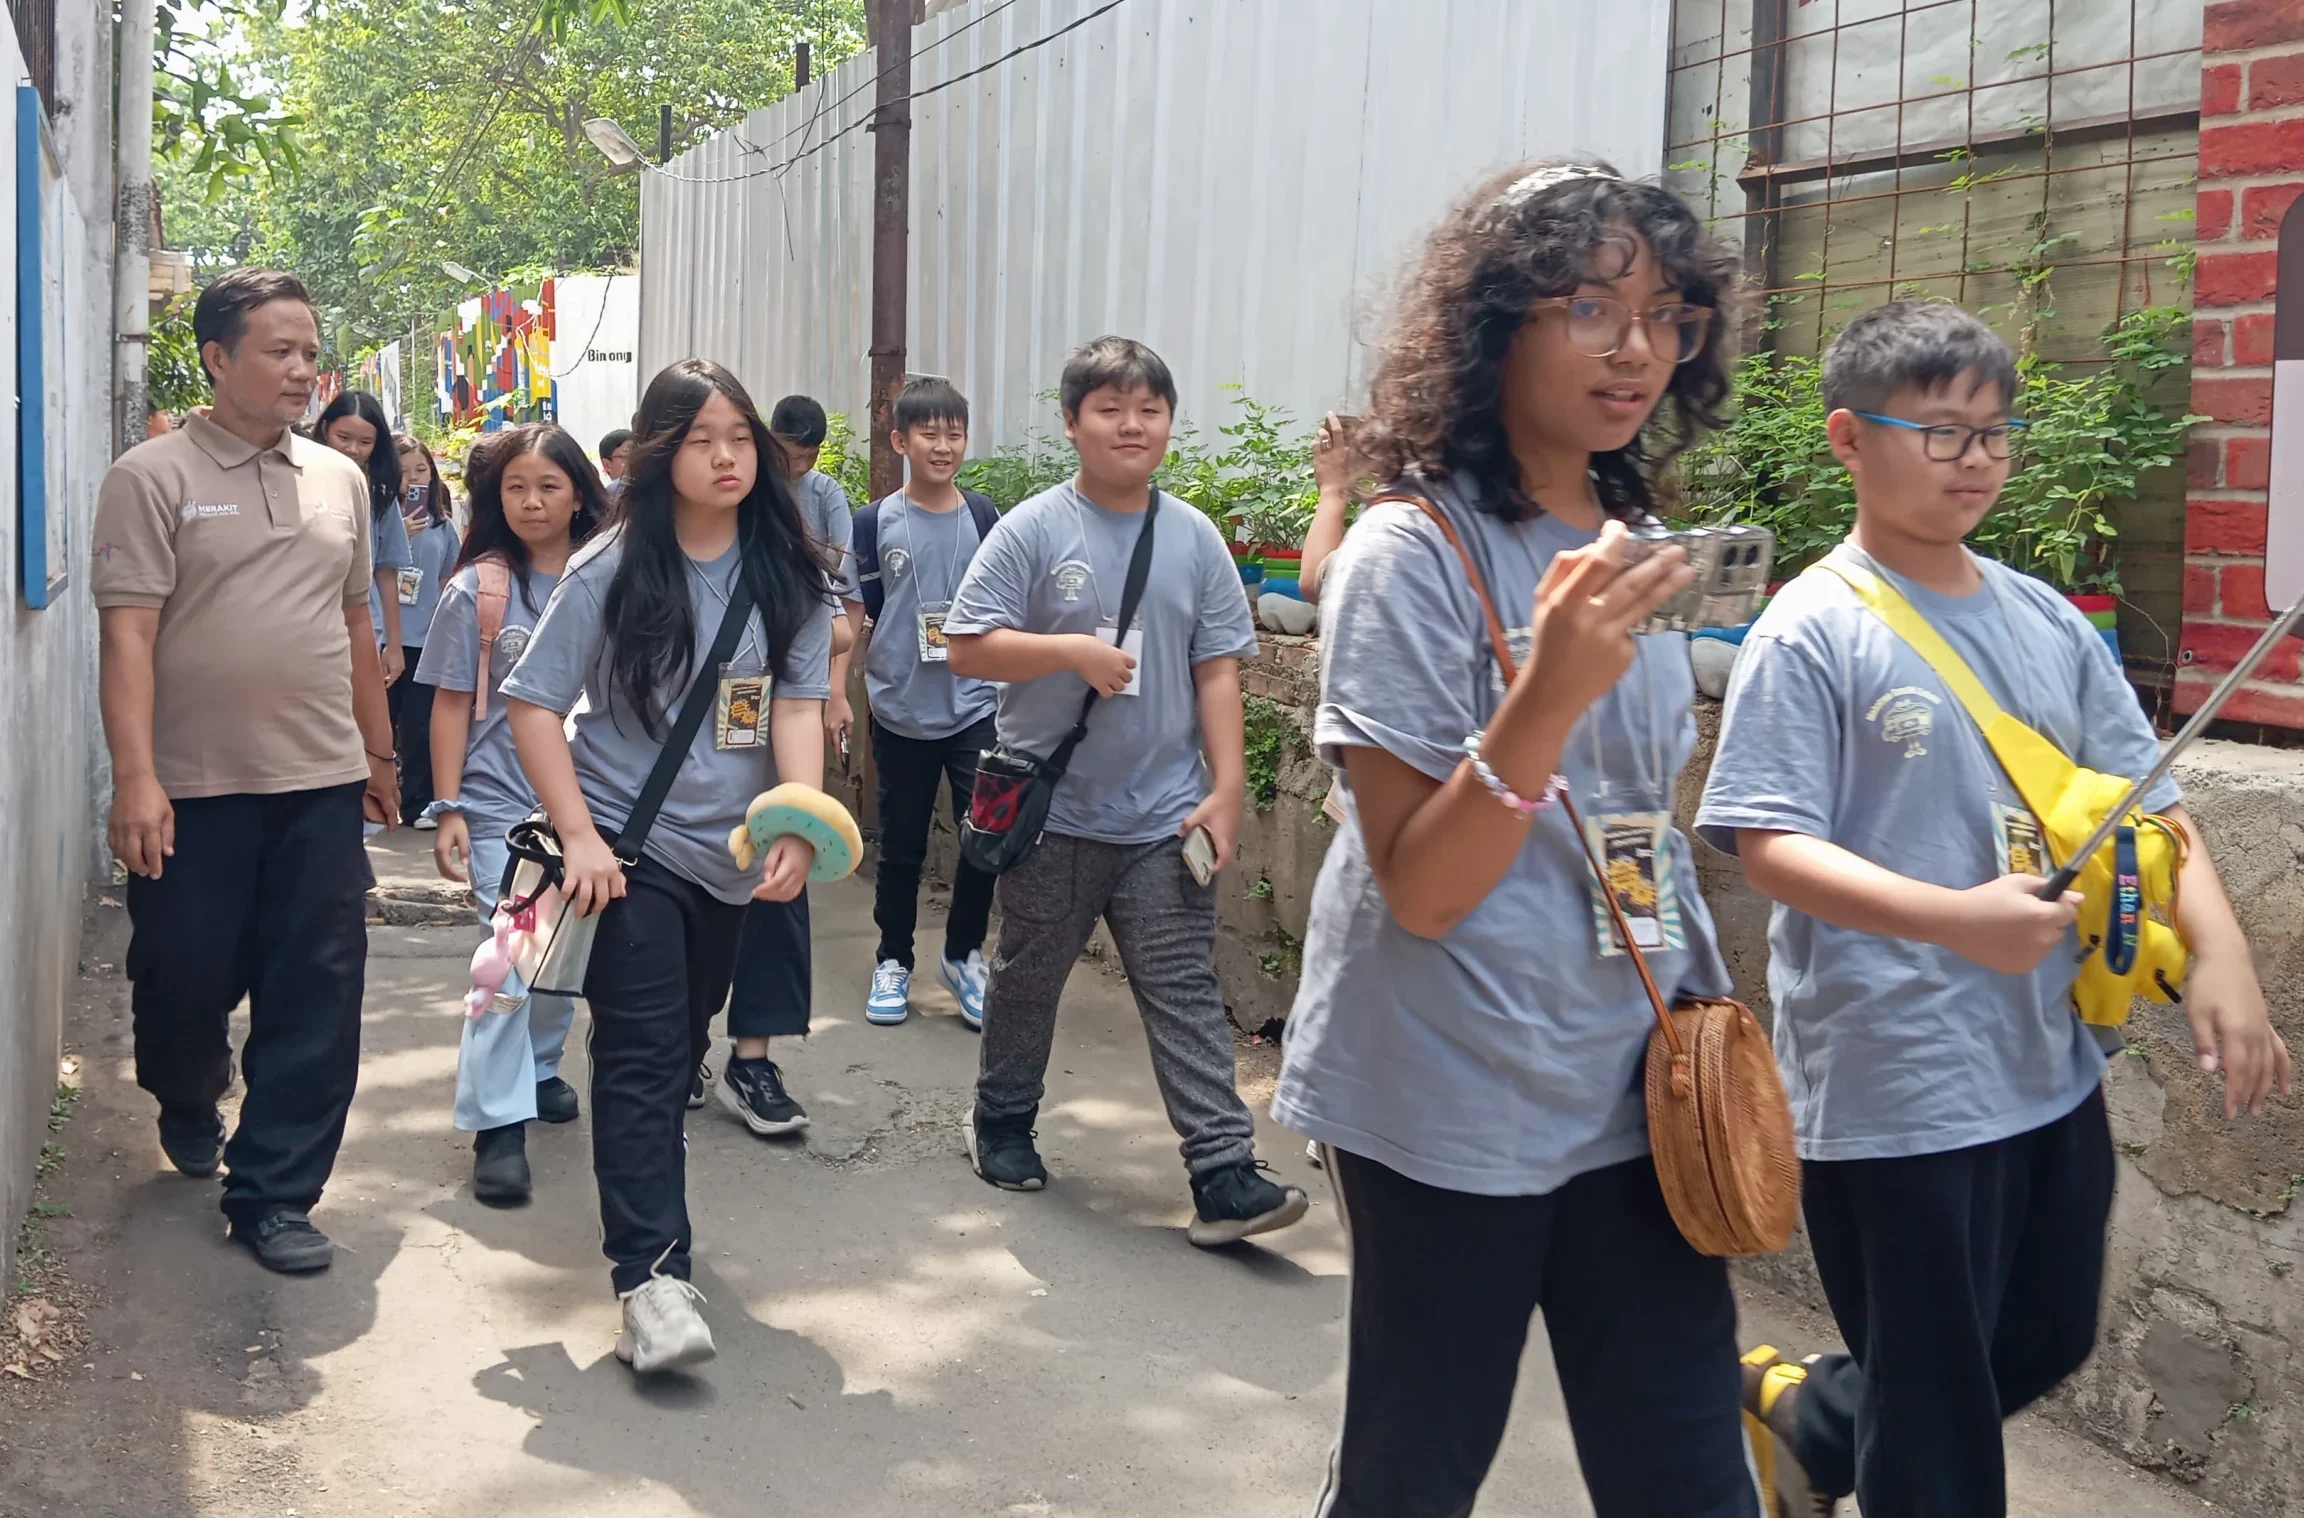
<point x="1469" y="1038"/>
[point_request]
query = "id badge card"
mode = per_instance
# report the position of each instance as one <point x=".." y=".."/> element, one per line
<point x="1635" y="853"/>
<point x="740" y="716"/>
<point x="411" y="583"/>
<point x="1133" y="647"/>
<point x="2017" y="841"/>
<point x="934" y="649"/>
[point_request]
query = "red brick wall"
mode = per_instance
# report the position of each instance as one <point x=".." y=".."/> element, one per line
<point x="2251" y="167"/>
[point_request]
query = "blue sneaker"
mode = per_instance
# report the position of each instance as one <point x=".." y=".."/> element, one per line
<point x="966" y="983"/>
<point x="890" y="1002"/>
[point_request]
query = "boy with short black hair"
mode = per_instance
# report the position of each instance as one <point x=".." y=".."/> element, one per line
<point x="928" y="724"/>
<point x="1957" y="1161"/>
<point x="615" y="456"/>
<point x="1039" y="610"/>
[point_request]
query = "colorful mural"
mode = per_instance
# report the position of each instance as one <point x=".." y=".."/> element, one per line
<point x="496" y="367"/>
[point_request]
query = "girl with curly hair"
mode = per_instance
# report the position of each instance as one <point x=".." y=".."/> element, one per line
<point x="1468" y="1039"/>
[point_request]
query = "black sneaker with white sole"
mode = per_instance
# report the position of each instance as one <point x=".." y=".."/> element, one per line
<point x="1001" y="1150"/>
<point x="1235" y="1201"/>
<point x="753" y="1089"/>
<point x="698" y="1086"/>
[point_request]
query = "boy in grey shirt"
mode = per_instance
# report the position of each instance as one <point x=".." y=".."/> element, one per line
<point x="928" y="724"/>
<point x="1039" y="610"/>
<point x="1958" y="1164"/>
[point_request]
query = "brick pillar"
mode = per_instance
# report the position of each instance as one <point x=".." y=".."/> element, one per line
<point x="2251" y="167"/>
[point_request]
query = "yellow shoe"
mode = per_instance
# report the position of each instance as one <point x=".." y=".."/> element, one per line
<point x="1785" y="1491"/>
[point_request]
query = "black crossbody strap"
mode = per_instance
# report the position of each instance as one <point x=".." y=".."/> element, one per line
<point x="702" y="692"/>
<point x="1131" y="594"/>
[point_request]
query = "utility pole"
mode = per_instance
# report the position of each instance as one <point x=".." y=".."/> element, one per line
<point x="664" y="133"/>
<point x="891" y="232"/>
<point x="132" y="225"/>
<point x="801" y="57"/>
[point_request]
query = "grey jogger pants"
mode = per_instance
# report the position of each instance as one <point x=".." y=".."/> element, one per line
<point x="1164" y="923"/>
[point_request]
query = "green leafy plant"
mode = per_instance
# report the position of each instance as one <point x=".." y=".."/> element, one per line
<point x="1260" y="483"/>
<point x="2095" y="433"/>
<point x="838" y="458"/>
<point x="1016" y="472"/>
<point x="172" y="365"/>
<point x="1269" y="737"/>
<point x="1260" y="889"/>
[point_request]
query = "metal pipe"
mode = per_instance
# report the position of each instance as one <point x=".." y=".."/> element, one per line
<point x="891" y="232"/>
<point x="132" y="225"/>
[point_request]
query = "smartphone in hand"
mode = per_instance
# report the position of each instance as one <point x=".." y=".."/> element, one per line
<point x="1200" y="855"/>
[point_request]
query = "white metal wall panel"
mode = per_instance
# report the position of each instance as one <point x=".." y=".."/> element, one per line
<point x="1237" y="182"/>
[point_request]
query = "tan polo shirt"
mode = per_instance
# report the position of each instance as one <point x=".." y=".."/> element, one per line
<point x="252" y="556"/>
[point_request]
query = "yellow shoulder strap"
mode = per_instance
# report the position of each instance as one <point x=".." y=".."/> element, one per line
<point x="2035" y="765"/>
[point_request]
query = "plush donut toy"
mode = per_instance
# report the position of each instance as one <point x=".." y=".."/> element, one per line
<point x="815" y="817"/>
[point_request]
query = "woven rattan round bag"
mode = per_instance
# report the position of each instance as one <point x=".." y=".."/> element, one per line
<point x="1718" y="1124"/>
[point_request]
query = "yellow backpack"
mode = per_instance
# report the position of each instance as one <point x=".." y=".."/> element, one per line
<point x="2128" y="890"/>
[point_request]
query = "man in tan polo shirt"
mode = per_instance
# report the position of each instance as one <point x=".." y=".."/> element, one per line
<point x="246" y="715"/>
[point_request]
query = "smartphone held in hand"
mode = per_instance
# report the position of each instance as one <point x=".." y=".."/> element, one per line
<point x="1200" y="855"/>
<point x="1731" y="565"/>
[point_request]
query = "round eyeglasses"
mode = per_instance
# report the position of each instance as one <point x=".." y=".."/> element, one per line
<point x="1599" y="326"/>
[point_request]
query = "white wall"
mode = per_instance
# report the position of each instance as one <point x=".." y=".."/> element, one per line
<point x="45" y="684"/>
<point x="595" y="362"/>
<point x="1234" y="181"/>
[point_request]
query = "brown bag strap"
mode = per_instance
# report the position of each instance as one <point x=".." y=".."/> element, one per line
<point x="1502" y="648"/>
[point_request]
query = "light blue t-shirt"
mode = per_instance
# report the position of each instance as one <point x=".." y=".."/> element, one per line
<point x="388" y="548"/>
<point x="495" y="790"/>
<point x="923" y="555"/>
<point x="1504" y="1059"/>
<point x="1837" y="729"/>
<point x="831" y="521"/>
<point x="1059" y="564"/>
<point x="567" y="661"/>
<point x="432" y="553"/>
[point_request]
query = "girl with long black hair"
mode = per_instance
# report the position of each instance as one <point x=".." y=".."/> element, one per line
<point x="535" y="497"/>
<point x="705" y="515"/>
<point x="354" y="425"/>
<point x="433" y="544"/>
<point x="1468" y="1039"/>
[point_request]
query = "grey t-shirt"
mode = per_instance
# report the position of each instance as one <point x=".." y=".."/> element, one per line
<point x="1505" y="1058"/>
<point x="1059" y="564"/>
<point x="1837" y="729"/>
<point x="567" y="659"/>
<point x="388" y="548"/>
<point x="495" y="790"/>
<point x="923" y="555"/>
<point x="830" y="520"/>
<point x="431" y="553"/>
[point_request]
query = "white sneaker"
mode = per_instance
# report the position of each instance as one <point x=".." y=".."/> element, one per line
<point x="890" y="1001"/>
<point x="966" y="982"/>
<point x="426" y="824"/>
<point x="662" y="1328"/>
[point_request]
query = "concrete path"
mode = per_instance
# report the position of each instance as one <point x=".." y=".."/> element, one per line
<point x="896" y="1338"/>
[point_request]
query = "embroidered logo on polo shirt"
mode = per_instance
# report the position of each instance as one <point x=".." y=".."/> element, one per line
<point x="198" y="510"/>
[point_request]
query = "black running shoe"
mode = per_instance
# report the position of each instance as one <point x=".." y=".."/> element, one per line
<point x="753" y="1089"/>
<point x="286" y="1241"/>
<point x="556" y="1101"/>
<point x="193" y="1140"/>
<point x="1236" y="1201"/>
<point x="696" y="1086"/>
<point x="500" y="1165"/>
<point x="1001" y="1150"/>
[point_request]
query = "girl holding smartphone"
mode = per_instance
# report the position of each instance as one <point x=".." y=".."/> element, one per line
<point x="1469" y="1038"/>
<point x="705" y="517"/>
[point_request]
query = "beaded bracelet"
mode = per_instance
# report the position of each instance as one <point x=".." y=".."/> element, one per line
<point x="1504" y="793"/>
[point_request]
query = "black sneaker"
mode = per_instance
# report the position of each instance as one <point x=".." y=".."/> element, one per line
<point x="696" y="1084"/>
<point x="1236" y="1201"/>
<point x="286" y="1241"/>
<point x="193" y="1140"/>
<point x="753" y="1089"/>
<point x="556" y="1101"/>
<point x="500" y="1165"/>
<point x="1001" y="1150"/>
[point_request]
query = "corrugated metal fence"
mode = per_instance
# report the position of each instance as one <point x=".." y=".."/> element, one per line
<point x="1235" y="181"/>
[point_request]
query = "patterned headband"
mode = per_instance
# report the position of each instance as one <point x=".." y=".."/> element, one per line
<point x="1529" y="186"/>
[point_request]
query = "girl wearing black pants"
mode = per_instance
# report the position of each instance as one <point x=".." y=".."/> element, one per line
<point x="1468" y="1040"/>
<point x="704" y="519"/>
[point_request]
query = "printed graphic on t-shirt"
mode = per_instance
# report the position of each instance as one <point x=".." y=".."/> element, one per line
<point x="895" y="562"/>
<point x="1072" y="577"/>
<point x="1906" y="716"/>
<point x="511" y="643"/>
